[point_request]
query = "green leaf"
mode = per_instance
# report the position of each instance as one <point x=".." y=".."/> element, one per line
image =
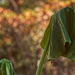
<point x="46" y="34"/>
<point x="62" y="34"/>
<point x="59" y="37"/>
<point x="6" y="67"/>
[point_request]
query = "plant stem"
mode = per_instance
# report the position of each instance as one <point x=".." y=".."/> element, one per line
<point x="43" y="56"/>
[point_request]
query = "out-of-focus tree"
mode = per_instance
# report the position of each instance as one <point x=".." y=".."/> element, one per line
<point x="29" y="3"/>
<point x="72" y="3"/>
<point x="14" y="4"/>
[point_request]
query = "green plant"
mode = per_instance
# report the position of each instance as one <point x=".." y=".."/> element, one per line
<point x="6" y="67"/>
<point x="59" y="37"/>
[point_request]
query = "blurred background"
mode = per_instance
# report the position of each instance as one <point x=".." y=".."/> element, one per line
<point x="22" y="26"/>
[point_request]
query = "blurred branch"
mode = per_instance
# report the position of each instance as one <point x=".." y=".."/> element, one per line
<point x="14" y="5"/>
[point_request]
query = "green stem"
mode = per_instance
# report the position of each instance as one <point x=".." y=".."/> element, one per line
<point x="43" y="57"/>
